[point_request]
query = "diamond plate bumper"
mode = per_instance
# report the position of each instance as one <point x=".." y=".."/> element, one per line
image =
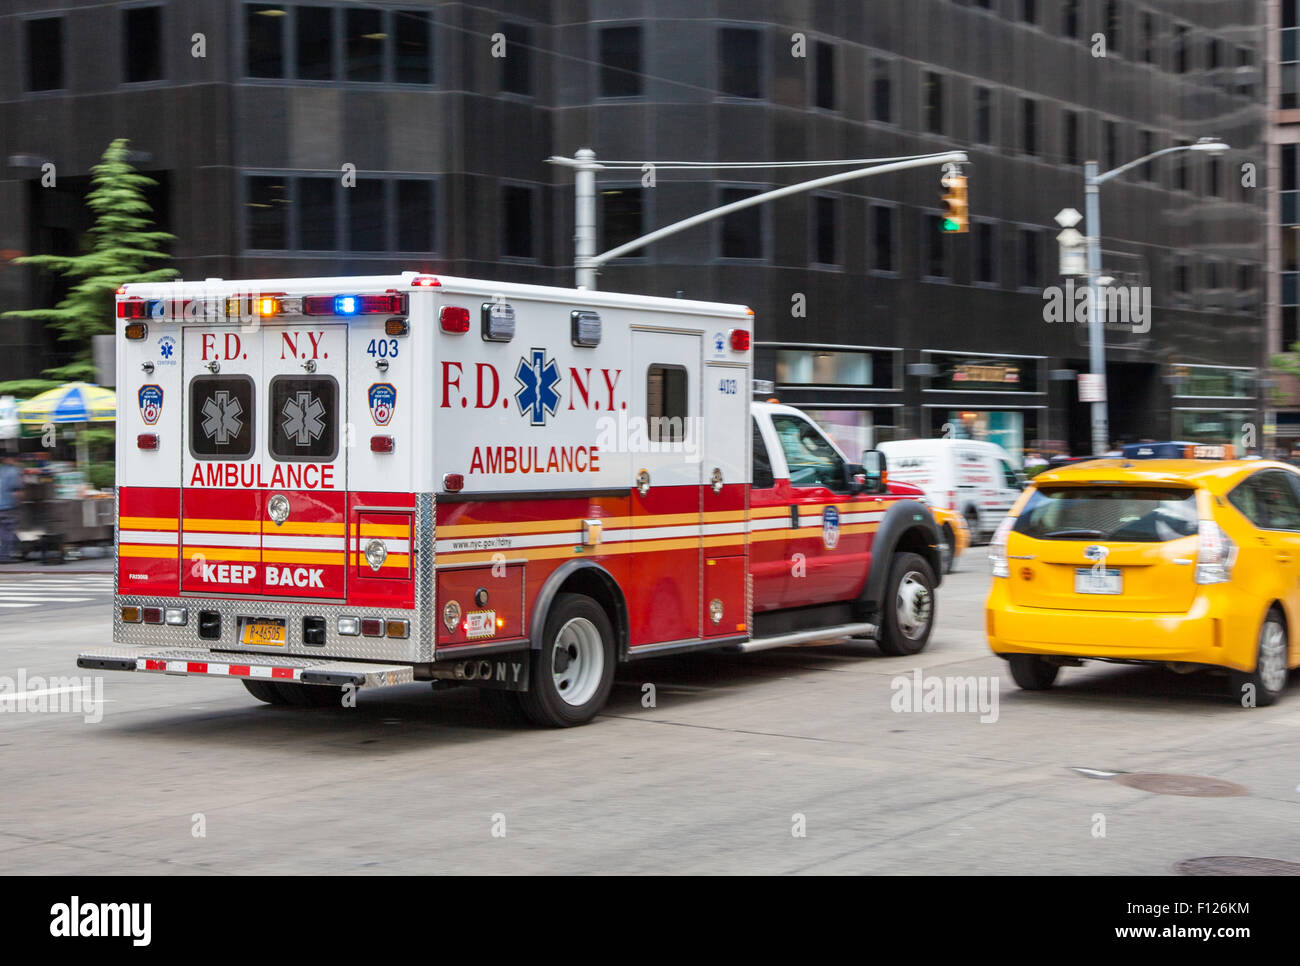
<point x="177" y="660"/>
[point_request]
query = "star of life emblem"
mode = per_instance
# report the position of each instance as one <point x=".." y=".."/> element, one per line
<point x="221" y="420"/>
<point x="302" y="418"/>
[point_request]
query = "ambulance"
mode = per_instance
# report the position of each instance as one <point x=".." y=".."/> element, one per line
<point x="328" y="484"/>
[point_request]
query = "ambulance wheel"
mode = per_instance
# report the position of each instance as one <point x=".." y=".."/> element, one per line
<point x="263" y="691"/>
<point x="907" y="611"/>
<point x="571" y="675"/>
<point x="948" y="549"/>
<point x="310" y="695"/>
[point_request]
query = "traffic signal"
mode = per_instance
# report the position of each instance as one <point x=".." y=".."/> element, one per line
<point x="956" y="216"/>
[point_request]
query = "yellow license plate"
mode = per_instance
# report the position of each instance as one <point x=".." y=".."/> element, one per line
<point x="266" y="633"/>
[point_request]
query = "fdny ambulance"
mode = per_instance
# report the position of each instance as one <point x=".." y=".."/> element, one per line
<point x="326" y="484"/>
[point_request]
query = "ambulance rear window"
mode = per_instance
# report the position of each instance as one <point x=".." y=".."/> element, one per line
<point x="221" y="417"/>
<point x="304" y="418"/>
<point x="666" y="402"/>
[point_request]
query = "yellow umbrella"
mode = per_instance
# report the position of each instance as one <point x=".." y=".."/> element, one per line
<point x="73" y="402"/>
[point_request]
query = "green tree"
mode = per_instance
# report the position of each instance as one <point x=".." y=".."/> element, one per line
<point x="120" y="248"/>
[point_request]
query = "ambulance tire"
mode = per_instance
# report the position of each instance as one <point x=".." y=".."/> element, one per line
<point x="263" y="691"/>
<point x="907" y="610"/>
<point x="310" y="695"/>
<point x="571" y="675"/>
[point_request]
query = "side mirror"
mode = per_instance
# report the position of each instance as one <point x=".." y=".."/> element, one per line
<point x="873" y="467"/>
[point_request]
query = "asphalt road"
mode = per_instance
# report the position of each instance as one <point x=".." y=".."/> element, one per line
<point x="737" y="755"/>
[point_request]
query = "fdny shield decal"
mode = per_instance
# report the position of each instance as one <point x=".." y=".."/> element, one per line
<point x="383" y="399"/>
<point x="830" y="527"/>
<point x="151" y="400"/>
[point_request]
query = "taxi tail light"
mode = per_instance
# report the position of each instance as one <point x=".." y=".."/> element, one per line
<point x="998" y="548"/>
<point x="1215" y="554"/>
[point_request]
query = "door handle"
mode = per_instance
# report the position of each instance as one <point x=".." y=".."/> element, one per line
<point x="643" y="482"/>
<point x="1283" y="558"/>
<point x="794" y="515"/>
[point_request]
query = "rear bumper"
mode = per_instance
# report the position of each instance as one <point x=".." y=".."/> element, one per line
<point x="185" y="661"/>
<point x="1215" y="630"/>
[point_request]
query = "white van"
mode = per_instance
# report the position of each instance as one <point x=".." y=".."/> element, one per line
<point x="974" y="477"/>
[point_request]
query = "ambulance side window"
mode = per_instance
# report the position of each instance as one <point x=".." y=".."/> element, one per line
<point x="812" y="460"/>
<point x="762" y="462"/>
<point x="221" y="417"/>
<point x="666" y="403"/>
<point x="304" y="418"/>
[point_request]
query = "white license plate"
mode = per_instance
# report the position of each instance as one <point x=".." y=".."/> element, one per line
<point x="1089" y="581"/>
<point x="480" y="623"/>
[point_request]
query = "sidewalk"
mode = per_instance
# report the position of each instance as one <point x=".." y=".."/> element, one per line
<point x="84" y="565"/>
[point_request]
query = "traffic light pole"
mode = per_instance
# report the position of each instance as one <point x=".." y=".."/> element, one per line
<point x="585" y="165"/>
<point x="1096" y="326"/>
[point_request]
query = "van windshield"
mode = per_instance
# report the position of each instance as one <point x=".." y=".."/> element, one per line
<point x="1138" y="514"/>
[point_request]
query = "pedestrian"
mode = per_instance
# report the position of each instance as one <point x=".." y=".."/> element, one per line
<point x="11" y="488"/>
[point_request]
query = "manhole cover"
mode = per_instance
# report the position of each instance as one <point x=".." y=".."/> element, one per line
<point x="1194" y="786"/>
<point x="1236" y="865"/>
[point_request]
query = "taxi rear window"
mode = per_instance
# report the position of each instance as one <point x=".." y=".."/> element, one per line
<point x="1137" y="514"/>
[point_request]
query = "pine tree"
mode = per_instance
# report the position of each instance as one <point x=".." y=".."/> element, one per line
<point x="121" y="247"/>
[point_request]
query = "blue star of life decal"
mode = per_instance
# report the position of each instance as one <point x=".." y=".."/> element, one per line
<point x="537" y="395"/>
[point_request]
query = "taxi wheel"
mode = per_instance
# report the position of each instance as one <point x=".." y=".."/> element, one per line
<point x="908" y="606"/>
<point x="1033" y="673"/>
<point x="571" y="675"/>
<point x="1264" y="685"/>
<point x="948" y="549"/>
<point x="310" y="695"/>
<point x="263" y="691"/>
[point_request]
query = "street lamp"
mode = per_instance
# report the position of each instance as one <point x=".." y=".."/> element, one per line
<point x="1092" y="228"/>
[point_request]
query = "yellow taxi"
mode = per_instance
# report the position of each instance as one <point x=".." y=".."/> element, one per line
<point x="953" y="533"/>
<point x="1194" y="564"/>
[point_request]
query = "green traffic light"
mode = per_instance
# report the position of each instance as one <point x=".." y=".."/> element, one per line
<point x="950" y="224"/>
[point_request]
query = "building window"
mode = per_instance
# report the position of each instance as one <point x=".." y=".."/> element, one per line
<point x="413" y="52"/>
<point x="142" y="52"/>
<point x="741" y="232"/>
<point x="1070" y="19"/>
<point x="1213" y="170"/>
<point x="825" y="249"/>
<point x="1110" y="132"/>
<point x="1212" y="54"/>
<point x="517" y="64"/>
<point x="622" y="217"/>
<point x="882" y="90"/>
<point x="1148" y="37"/>
<point x="620" y="62"/>
<point x="882" y="235"/>
<point x="1180" y="48"/>
<point x="415" y="215"/>
<point x="1289" y="96"/>
<point x="983" y="115"/>
<point x="1029" y="126"/>
<point x="517" y="227"/>
<point x="264" y="40"/>
<point x="1147" y="144"/>
<point x="985" y="267"/>
<point x="1030" y="269"/>
<point x="740" y="62"/>
<point x="932" y="101"/>
<point x="367" y="216"/>
<point x="934" y="247"/>
<point x="1182" y="167"/>
<point x="820" y="367"/>
<point x="364" y="44"/>
<point x="315" y="35"/>
<point x="1029" y="11"/>
<point x="267" y="203"/>
<point x="824" y="64"/>
<point x="1070" y="136"/>
<point x="1112" y="26"/>
<point x="45" y="54"/>
<point x="317" y="214"/>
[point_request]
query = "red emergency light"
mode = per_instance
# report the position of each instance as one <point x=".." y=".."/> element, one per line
<point x="381" y="444"/>
<point x="133" y="308"/>
<point x="425" y="281"/>
<point x="454" y="318"/>
<point x="740" y="340"/>
<point x="147" y="441"/>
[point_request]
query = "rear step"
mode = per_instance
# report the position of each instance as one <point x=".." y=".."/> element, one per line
<point x="827" y="635"/>
<point x="303" y="670"/>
